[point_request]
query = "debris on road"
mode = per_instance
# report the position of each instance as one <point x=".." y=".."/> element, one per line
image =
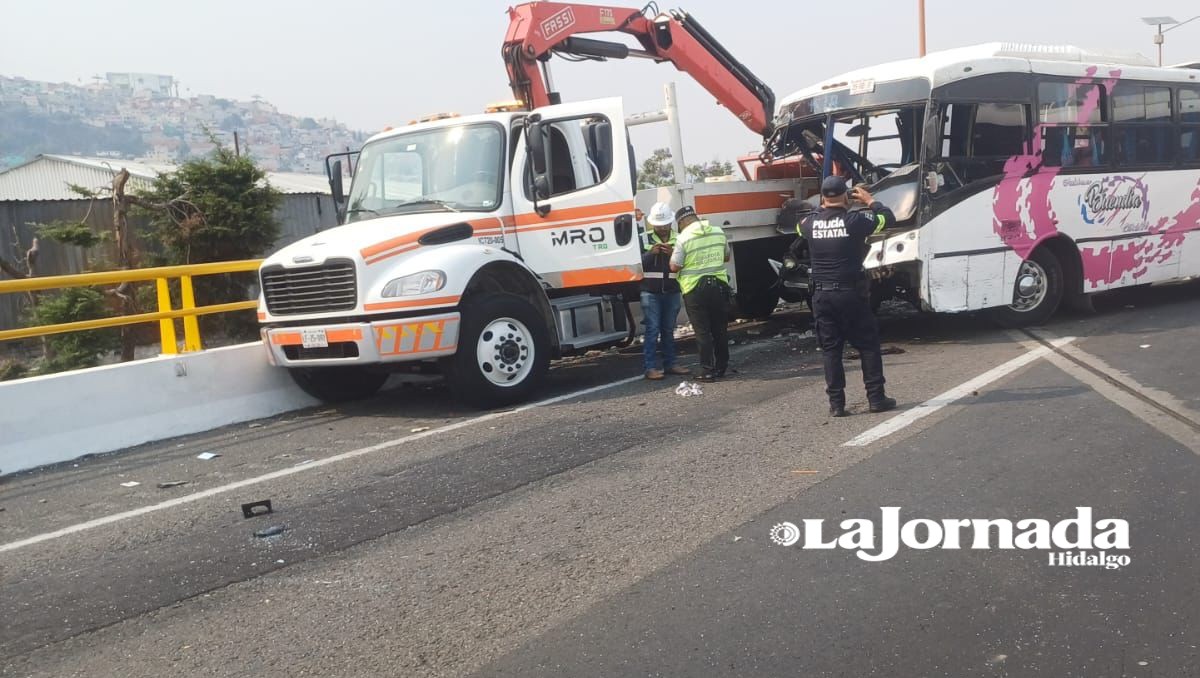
<point x="1144" y="346"/>
<point x="805" y="471"/>
<point x="886" y="350"/>
<point x="131" y="483"/>
<point x="736" y="539"/>
<point x="255" y="425"/>
<point x="207" y="455"/>
<point x="171" y="483"/>
<point x="270" y="531"/>
<point x="306" y="461"/>
<point x="249" y="512"/>
<point x="688" y="389"/>
<point x="419" y="429"/>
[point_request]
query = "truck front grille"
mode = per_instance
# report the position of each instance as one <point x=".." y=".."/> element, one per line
<point x="313" y="289"/>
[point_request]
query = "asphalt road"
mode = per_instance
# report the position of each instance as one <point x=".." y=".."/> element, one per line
<point x="622" y="530"/>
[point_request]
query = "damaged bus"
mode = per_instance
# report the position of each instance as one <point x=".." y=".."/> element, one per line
<point x="1022" y="176"/>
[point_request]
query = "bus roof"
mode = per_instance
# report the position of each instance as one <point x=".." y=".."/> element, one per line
<point x="940" y="68"/>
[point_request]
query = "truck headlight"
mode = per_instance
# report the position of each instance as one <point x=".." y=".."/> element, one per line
<point x="417" y="283"/>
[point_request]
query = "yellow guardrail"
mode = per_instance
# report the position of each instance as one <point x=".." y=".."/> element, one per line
<point x="165" y="315"/>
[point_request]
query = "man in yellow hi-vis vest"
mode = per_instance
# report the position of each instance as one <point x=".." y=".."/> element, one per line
<point x="699" y="259"/>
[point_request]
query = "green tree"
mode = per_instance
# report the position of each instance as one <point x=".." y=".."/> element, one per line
<point x="74" y="350"/>
<point x="216" y="208"/>
<point x="659" y="170"/>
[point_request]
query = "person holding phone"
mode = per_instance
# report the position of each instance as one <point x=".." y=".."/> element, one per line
<point x="660" y="295"/>
<point x="841" y="306"/>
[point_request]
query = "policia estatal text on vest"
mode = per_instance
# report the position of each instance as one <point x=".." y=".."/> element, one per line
<point x="699" y="258"/>
<point x="840" y="303"/>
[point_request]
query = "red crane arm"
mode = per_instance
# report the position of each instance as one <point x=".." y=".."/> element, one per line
<point x="537" y="30"/>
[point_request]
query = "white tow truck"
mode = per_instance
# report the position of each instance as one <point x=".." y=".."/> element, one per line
<point x="482" y="247"/>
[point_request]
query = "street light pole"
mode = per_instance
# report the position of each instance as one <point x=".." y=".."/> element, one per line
<point x="1158" y="40"/>
<point x="1161" y="21"/>
<point x="921" y="25"/>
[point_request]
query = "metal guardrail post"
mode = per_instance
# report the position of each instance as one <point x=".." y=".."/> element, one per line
<point x="166" y="326"/>
<point x="191" y="326"/>
<point x="165" y="316"/>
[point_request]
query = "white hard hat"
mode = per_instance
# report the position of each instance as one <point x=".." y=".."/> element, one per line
<point x="661" y="214"/>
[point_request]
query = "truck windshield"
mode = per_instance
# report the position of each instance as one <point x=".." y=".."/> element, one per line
<point x="456" y="168"/>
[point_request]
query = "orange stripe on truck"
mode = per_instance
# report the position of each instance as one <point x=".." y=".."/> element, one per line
<point x="573" y="213"/>
<point x="412" y="303"/>
<point x="741" y="202"/>
<point x="598" y="276"/>
<point x="529" y="221"/>
<point x="293" y="338"/>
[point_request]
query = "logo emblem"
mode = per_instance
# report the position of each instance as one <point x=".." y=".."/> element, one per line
<point x="785" y="534"/>
<point x="558" y="23"/>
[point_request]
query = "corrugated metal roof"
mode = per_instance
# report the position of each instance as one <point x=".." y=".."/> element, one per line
<point x="47" y="177"/>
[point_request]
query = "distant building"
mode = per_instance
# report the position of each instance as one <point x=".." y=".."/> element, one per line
<point x="143" y="83"/>
<point x="39" y="192"/>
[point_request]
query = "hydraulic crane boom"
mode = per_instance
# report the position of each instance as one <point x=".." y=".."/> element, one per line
<point x="537" y="30"/>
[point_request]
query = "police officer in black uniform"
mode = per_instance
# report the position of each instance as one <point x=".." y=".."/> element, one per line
<point x="836" y="238"/>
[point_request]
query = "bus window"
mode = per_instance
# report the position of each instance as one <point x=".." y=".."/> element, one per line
<point x="1142" y="133"/>
<point x="1073" y="131"/>
<point x="977" y="139"/>
<point x="1189" y="115"/>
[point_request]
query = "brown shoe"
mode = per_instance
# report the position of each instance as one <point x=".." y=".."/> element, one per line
<point x="675" y="369"/>
<point x="654" y="375"/>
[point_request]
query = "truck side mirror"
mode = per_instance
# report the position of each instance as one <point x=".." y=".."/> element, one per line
<point x="535" y="144"/>
<point x="541" y="186"/>
<point x="336" y="188"/>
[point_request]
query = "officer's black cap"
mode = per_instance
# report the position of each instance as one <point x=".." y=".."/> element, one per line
<point x="833" y="186"/>
<point x="683" y="213"/>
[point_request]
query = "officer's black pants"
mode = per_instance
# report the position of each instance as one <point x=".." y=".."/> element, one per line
<point x="845" y="316"/>
<point x="707" y="306"/>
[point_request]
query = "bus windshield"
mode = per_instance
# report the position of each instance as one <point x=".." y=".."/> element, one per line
<point x="868" y="145"/>
<point x="880" y="148"/>
<point x="454" y="168"/>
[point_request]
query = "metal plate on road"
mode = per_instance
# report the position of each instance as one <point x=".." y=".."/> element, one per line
<point x="313" y="339"/>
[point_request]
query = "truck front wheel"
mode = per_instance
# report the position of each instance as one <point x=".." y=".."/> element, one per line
<point x="503" y="352"/>
<point x="338" y="384"/>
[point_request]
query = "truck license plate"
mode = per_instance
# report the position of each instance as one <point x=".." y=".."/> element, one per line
<point x="313" y="339"/>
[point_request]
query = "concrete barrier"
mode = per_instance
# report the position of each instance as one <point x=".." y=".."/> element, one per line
<point x="59" y="417"/>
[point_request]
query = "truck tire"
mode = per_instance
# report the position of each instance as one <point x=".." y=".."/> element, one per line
<point x="503" y="352"/>
<point x="1037" y="291"/>
<point x="338" y="384"/>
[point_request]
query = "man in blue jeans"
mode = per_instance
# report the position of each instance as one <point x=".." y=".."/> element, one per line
<point x="660" y="294"/>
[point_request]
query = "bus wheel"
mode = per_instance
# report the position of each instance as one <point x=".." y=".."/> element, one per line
<point x="338" y="384"/>
<point x="1037" y="292"/>
<point x="503" y="352"/>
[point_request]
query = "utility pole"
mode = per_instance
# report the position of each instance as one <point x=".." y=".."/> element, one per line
<point x="237" y="148"/>
<point x="921" y="25"/>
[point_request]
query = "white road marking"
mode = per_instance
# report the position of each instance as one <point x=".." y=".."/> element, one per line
<point x="1130" y="395"/>
<point x="203" y="494"/>
<point x="964" y="389"/>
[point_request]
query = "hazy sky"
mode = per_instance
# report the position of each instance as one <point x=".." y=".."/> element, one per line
<point x="377" y="63"/>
